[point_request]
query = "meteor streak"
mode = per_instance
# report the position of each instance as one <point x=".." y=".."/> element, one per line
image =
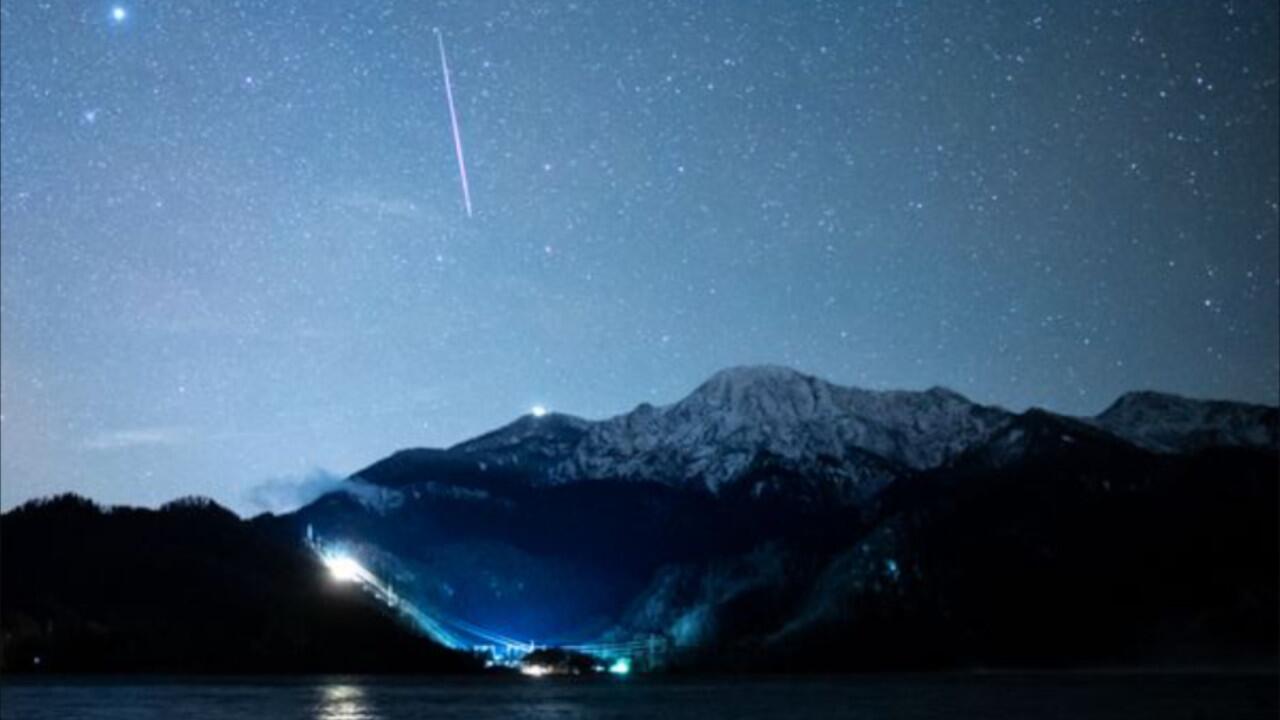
<point x="453" y="118"/>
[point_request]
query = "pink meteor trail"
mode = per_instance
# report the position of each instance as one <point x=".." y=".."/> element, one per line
<point x="453" y="118"/>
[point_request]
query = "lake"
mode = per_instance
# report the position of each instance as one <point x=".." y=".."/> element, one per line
<point x="868" y="697"/>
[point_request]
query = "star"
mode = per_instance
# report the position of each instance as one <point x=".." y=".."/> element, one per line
<point x="807" y="226"/>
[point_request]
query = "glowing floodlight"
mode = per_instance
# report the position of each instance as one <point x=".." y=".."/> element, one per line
<point x="343" y="568"/>
<point x="535" y="670"/>
<point x="621" y="666"/>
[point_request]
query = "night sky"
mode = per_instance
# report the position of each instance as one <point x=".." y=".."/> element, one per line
<point x="235" y="250"/>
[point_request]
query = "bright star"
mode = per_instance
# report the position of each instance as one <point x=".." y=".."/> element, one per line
<point x="118" y="13"/>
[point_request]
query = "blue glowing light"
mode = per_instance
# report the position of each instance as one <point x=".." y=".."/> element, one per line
<point x="119" y="14"/>
<point x="621" y="666"/>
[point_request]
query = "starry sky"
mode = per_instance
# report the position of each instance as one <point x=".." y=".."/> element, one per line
<point x="233" y="247"/>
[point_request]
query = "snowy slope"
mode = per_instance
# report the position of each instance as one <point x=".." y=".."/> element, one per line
<point x="710" y="437"/>
<point x="1170" y="423"/>
<point x="770" y="420"/>
<point x="532" y="442"/>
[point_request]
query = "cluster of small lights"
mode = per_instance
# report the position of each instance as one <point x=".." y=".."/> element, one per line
<point x="621" y="666"/>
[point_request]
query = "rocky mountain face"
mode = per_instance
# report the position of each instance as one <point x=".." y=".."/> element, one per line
<point x="860" y="439"/>
<point x="714" y="434"/>
<point x="738" y="418"/>
<point x="768" y="520"/>
<point x="773" y="516"/>
<point x="1168" y="423"/>
<point x="1053" y="544"/>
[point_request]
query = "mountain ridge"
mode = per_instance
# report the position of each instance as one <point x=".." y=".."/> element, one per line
<point x="847" y="529"/>
<point x="740" y="414"/>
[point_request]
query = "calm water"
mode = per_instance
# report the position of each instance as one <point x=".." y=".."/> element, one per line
<point x="868" y="697"/>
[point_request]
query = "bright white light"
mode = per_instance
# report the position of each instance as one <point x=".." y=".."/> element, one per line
<point x="621" y="666"/>
<point x="119" y="14"/>
<point x="535" y="670"/>
<point x="343" y="568"/>
<point x="538" y="410"/>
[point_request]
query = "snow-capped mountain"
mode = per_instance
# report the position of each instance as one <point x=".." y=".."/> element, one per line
<point x="1169" y="423"/>
<point x="712" y="436"/>
<point x="536" y="443"/>
<point x="770" y="423"/>
<point x="872" y="504"/>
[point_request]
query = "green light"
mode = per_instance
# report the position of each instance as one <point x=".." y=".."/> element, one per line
<point x="621" y="666"/>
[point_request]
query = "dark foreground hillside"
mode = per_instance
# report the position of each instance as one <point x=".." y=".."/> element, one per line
<point x="188" y="588"/>
<point x="1059" y="561"/>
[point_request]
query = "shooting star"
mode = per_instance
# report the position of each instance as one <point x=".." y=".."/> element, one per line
<point x="453" y="118"/>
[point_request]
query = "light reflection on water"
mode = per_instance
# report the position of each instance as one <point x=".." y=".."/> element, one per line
<point x="344" y="702"/>
<point x="872" y="697"/>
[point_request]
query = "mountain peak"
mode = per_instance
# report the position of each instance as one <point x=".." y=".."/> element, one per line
<point x="716" y="434"/>
<point x="1172" y="423"/>
<point x="530" y="440"/>
<point x="766" y="374"/>
<point x="768" y="399"/>
<point x="530" y="425"/>
<point x="748" y="383"/>
<point x="712" y="435"/>
<point x="945" y="393"/>
<point x="1149" y="399"/>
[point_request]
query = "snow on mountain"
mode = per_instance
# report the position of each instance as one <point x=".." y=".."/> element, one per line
<point x="713" y="435"/>
<point x="1170" y="423"/>
<point x="532" y="441"/>
<point x="763" y="421"/>
<point x="1043" y="435"/>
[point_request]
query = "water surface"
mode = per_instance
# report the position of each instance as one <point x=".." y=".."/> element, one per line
<point x="867" y="697"/>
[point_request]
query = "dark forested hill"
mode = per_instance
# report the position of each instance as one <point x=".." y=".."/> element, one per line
<point x="187" y="588"/>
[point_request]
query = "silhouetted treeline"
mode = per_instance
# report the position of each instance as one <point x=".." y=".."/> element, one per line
<point x="187" y="588"/>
